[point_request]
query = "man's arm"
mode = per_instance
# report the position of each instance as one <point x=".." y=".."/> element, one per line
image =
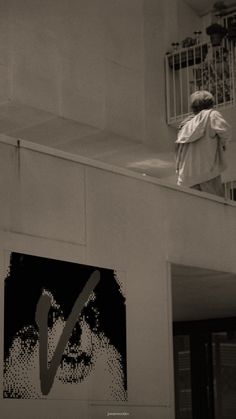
<point x="220" y="127"/>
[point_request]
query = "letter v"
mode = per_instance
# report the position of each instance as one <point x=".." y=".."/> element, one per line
<point x="47" y="374"/>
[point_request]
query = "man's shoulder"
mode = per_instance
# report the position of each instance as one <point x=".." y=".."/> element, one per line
<point x="215" y="114"/>
<point x="185" y="120"/>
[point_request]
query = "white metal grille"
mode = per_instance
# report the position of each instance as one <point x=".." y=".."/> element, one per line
<point x="200" y="67"/>
<point x="230" y="190"/>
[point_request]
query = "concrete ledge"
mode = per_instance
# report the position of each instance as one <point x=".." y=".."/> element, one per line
<point x="24" y="144"/>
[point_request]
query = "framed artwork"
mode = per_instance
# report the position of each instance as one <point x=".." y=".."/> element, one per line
<point x="64" y="331"/>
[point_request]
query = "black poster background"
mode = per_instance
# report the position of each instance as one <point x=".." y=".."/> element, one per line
<point x="102" y="329"/>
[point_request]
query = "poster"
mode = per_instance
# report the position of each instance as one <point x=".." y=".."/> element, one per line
<point x="64" y="331"/>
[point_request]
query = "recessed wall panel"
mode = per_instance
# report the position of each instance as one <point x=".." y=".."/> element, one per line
<point x="52" y="197"/>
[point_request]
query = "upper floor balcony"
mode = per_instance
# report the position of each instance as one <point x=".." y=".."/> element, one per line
<point x="202" y="66"/>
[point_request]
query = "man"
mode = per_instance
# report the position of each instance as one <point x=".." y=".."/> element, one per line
<point x="201" y="144"/>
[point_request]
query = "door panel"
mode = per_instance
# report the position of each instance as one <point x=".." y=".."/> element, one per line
<point x="205" y="369"/>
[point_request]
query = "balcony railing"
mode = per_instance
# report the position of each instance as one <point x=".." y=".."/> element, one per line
<point x="199" y="67"/>
<point x="230" y="190"/>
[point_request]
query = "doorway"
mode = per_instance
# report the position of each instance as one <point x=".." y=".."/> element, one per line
<point x="204" y="342"/>
<point x="205" y="369"/>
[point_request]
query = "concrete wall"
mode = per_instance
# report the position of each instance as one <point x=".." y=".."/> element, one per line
<point x="5" y="56"/>
<point x="79" y="59"/>
<point x="160" y="28"/>
<point x="97" y="62"/>
<point x="59" y="207"/>
<point x="188" y="21"/>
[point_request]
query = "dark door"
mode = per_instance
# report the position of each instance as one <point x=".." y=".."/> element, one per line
<point x="205" y="369"/>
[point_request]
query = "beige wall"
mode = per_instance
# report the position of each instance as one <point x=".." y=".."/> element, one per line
<point x="5" y="56"/>
<point x="121" y="221"/>
<point x="188" y="21"/>
<point x="100" y="62"/>
<point x="81" y="59"/>
<point x="47" y="217"/>
<point x="160" y="26"/>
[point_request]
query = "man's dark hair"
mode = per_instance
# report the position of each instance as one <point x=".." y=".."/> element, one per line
<point x="200" y="100"/>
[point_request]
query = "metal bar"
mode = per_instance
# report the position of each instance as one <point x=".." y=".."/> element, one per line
<point x="232" y="190"/>
<point x="231" y="93"/>
<point x="223" y="74"/>
<point x="167" y="87"/>
<point x="233" y="72"/>
<point x="181" y="85"/>
<point x="215" y="71"/>
<point x="194" y="66"/>
<point x="226" y="190"/>
<point x="173" y="79"/>
<point x="188" y="81"/>
<point x="209" y="71"/>
<point x="202" y="67"/>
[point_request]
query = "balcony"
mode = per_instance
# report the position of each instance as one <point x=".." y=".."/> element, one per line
<point x="201" y="66"/>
